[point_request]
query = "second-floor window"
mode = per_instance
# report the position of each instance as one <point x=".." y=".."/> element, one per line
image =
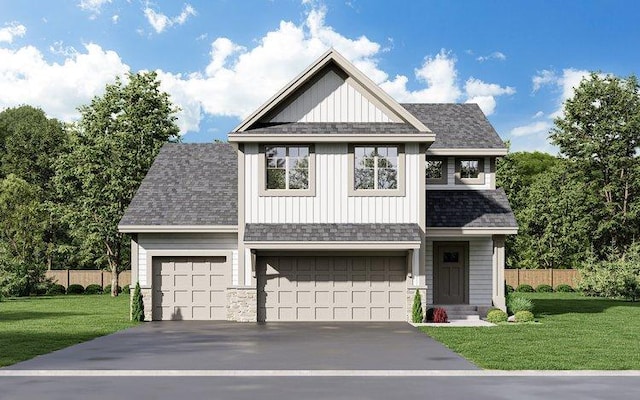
<point x="376" y="167"/>
<point x="436" y="170"/>
<point x="287" y="167"/>
<point x="469" y="169"/>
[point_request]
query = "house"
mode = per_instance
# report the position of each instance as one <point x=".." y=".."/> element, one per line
<point x="331" y="202"/>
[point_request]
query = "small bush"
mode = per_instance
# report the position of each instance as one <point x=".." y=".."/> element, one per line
<point x="508" y="289"/>
<point x="56" y="289"/>
<point x="544" y="288"/>
<point x="517" y="303"/>
<point x="428" y="316"/>
<point x="524" y="288"/>
<point x="126" y="289"/>
<point x="524" y="316"/>
<point x="137" y="305"/>
<point x="94" y="288"/>
<point x="416" y="311"/>
<point x="619" y="276"/>
<point x="494" y="316"/>
<point x="564" y="288"/>
<point x="107" y="289"/>
<point x="440" y="316"/>
<point x="75" y="289"/>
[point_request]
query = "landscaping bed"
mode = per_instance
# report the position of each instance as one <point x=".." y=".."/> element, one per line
<point x="575" y="332"/>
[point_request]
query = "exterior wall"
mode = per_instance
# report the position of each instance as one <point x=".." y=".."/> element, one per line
<point x="332" y="99"/>
<point x="183" y="241"/>
<point x="242" y="304"/>
<point x="480" y="268"/>
<point x="332" y="203"/>
<point x="489" y="177"/>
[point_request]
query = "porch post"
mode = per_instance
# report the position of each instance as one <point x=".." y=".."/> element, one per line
<point x="498" y="272"/>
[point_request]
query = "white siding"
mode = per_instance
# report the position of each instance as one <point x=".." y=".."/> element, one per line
<point x="332" y="204"/>
<point x="182" y="241"/>
<point x="331" y="99"/>
<point x="480" y="269"/>
<point x="489" y="178"/>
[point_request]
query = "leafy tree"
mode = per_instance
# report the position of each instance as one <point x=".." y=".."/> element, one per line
<point x="600" y="132"/>
<point x="618" y="276"/>
<point x="114" y="144"/>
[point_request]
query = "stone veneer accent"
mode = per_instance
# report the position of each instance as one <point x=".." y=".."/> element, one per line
<point x="411" y="291"/>
<point x="242" y="304"/>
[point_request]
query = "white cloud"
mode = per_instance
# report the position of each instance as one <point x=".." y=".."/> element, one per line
<point x="160" y="21"/>
<point x="535" y="128"/>
<point x="484" y="94"/>
<point x="496" y="55"/>
<point x="115" y="18"/>
<point x="565" y="84"/>
<point x="539" y="114"/>
<point x="11" y="31"/>
<point x="27" y="78"/>
<point x="93" y="6"/>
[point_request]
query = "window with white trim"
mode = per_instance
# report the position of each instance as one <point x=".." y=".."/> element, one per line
<point x="375" y="168"/>
<point x="287" y="167"/>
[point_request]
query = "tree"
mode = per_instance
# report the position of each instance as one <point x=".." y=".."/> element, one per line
<point x="137" y="304"/>
<point x="417" y="315"/>
<point x="113" y="146"/>
<point x="600" y="132"/>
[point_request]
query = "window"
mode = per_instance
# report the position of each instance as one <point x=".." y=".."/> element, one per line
<point x="376" y="168"/>
<point x="436" y="170"/>
<point x="470" y="170"/>
<point x="287" y="167"/>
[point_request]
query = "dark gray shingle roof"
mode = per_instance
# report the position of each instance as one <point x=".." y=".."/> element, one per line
<point x="457" y="125"/>
<point x="188" y="184"/>
<point x="469" y="209"/>
<point x="332" y="232"/>
<point x="335" y="128"/>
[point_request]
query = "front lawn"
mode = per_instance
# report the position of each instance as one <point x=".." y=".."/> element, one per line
<point x="575" y="332"/>
<point x="31" y="326"/>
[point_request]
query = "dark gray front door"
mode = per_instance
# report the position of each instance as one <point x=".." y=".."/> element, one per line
<point x="450" y="274"/>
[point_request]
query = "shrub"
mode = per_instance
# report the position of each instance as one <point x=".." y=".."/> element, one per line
<point x="524" y="288"/>
<point x="517" y="303"/>
<point x="618" y="277"/>
<point x="107" y="289"/>
<point x="126" y="289"/>
<point x="544" y="288"/>
<point x="56" y="289"/>
<point x="524" y="316"/>
<point x="416" y="310"/>
<point x="75" y="289"/>
<point x="440" y="316"/>
<point x="137" y="305"/>
<point x="494" y="316"/>
<point x="564" y="288"/>
<point x="508" y="289"/>
<point x="428" y="316"/>
<point x="94" y="288"/>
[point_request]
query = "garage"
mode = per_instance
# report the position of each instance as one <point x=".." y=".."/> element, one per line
<point x="190" y="288"/>
<point x="331" y="288"/>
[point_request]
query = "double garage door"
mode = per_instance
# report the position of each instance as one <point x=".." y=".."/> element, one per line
<point x="290" y="288"/>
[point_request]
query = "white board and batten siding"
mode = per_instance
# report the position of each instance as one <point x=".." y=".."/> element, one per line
<point x="332" y="203"/>
<point x="480" y="268"/>
<point x="489" y="178"/>
<point x="185" y="241"/>
<point x="331" y="99"/>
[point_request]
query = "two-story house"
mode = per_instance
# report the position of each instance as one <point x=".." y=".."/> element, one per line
<point x="331" y="202"/>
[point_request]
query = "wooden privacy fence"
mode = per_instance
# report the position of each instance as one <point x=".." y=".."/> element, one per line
<point x="66" y="277"/>
<point x="535" y="277"/>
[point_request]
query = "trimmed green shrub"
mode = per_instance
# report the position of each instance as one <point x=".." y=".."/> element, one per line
<point x="75" y="289"/>
<point x="618" y="276"/>
<point x="137" y="305"/>
<point x="107" y="289"/>
<point x="56" y="289"/>
<point x="564" y="288"/>
<point x="94" y="288"/>
<point x="416" y="310"/>
<point x="428" y="316"/>
<point x="508" y="289"/>
<point x="524" y="316"/>
<point x="544" y="288"/>
<point x="524" y="288"/>
<point x="126" y="289"/>
<point x="494" y="316"/>
<point x="440" y="316"/>
<point x="517" y="303"/>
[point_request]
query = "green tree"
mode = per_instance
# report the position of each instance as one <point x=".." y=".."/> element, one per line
<point x="113" y="146"/>
<point x="600" y="132"/>
<point x="417" y="316"/>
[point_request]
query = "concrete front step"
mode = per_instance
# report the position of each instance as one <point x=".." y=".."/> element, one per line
<point x="466" y="317"/>
<point x="460" y="312"/>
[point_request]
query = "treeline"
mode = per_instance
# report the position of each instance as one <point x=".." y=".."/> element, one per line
<point x="64" y="187"/>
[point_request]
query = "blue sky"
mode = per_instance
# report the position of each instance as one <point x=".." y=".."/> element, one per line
<point x="219" y="60"/>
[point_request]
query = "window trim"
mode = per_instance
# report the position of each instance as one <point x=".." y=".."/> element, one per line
<point x="262" y="173"/>
<point x="445" y="171"/>
<point x="399" y="192"/>
<point x="480" y="180"/>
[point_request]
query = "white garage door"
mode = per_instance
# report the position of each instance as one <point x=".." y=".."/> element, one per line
<point x="190" y="288"/>
<point x="323" y="288"/>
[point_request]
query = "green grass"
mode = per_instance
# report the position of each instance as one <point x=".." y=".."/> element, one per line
<point x="31" y="326"/>
<point x="574" y="332"/>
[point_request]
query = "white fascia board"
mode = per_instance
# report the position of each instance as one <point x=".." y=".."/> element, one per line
<point x="453" y="232"/>
<point x="468" y="152"/>
<point x="279" y="245"/>
<point x="373" y="138"/>
<point x="178" y="228"/>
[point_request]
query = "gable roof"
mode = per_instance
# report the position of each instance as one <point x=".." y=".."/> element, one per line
<point x="328" y="58"/>
<point x="469" y="209"/>
<point x="457" y="126"/>
<point x="187" y="185"/>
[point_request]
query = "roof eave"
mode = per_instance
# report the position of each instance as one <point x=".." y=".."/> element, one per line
<point x="470" y="231"/>
<point x="369" y="138"/>
<point x="332" y="245"/>
<point x="178" y="228"/>
<point x="497" y="151"/>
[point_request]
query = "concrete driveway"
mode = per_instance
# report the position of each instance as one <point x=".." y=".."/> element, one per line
<point x="184" y="345"/>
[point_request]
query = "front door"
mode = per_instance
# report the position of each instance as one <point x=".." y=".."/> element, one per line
<point x="450" y="272"/>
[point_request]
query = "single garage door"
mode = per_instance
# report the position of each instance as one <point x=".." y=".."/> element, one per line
<point x="332" y="288"/>
<point x="190" y="288"/>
